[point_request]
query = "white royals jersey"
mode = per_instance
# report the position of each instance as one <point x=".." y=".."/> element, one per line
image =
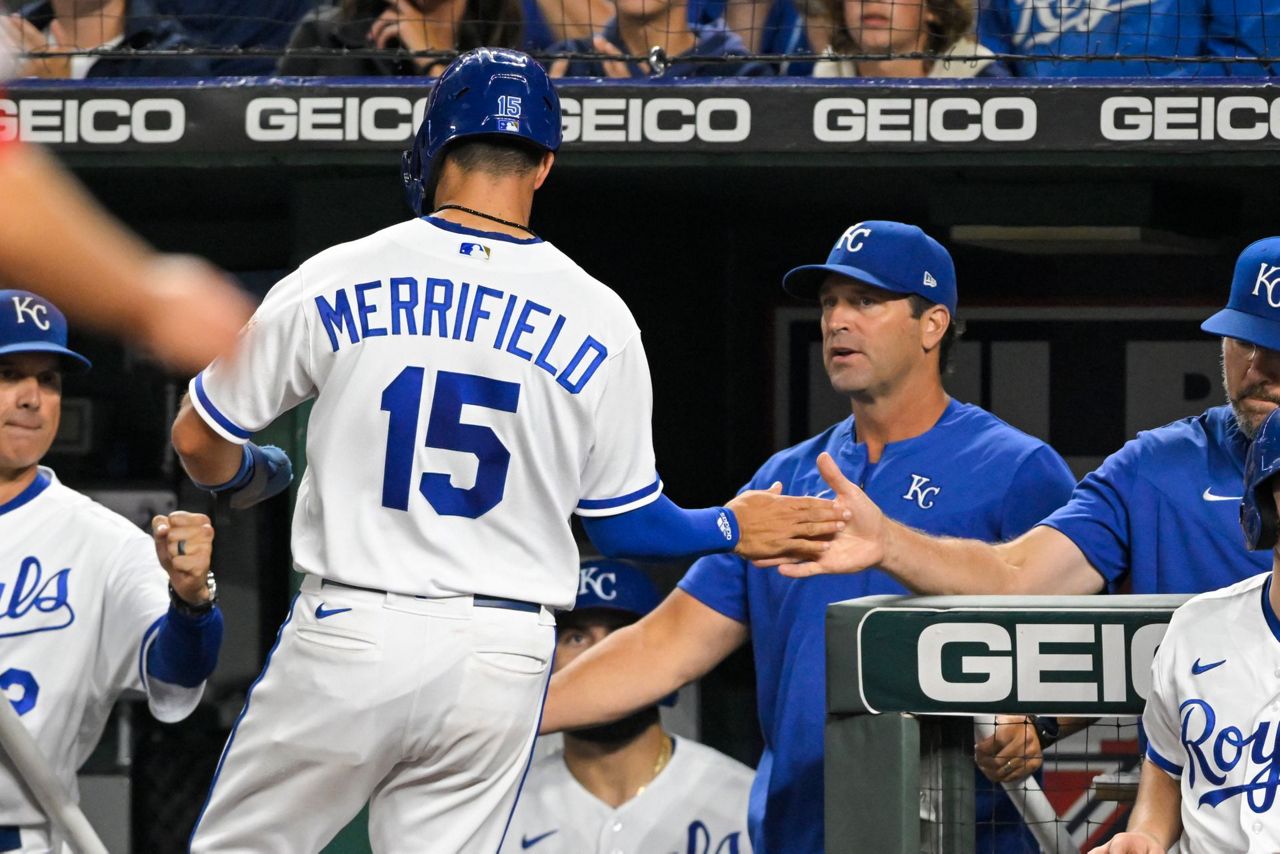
<point x="697" y="805"/>
<point x="81" y="592"/>
<point x="1213" y="718"/>
<point x="471" y="390"/>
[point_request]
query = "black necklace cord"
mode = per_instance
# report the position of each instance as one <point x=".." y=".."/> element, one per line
<point x="483" y="215"/>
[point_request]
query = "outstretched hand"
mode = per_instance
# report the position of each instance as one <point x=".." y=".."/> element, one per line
<point x="773" y="525"/>
<point x="858" y="544"/>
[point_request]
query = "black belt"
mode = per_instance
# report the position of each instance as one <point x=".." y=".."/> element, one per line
<point x="479" y="601"/>
<point x="10" y="838"/>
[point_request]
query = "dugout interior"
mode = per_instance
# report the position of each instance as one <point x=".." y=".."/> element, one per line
<point x="1084" y="261"/>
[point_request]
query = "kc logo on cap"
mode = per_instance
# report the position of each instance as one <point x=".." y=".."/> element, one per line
<point x="29" y="323"/>
<point x="890" y="255"/>
<point x="1253" y="309"/>
<point x="1267" y="279"/>
<point x="26" y="307"/>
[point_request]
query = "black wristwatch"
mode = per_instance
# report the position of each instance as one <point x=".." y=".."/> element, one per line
<point x="1048" y="730"/>
<point x="186" y="609"/>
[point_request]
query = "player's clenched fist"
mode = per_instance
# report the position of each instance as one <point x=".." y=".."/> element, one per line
<point x="184" y="545"/>
<point x="771" y="524"/>
<point x="1131" y="843"/>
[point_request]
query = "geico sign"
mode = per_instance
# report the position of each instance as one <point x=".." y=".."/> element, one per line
<point x="108" y="121"/>
<point x="1015" y="667"/>
<point x="951" y="119"/>
<point x="1238" y="118"/>
<point x="383" y="118"/>
<point x="655" y="119"/>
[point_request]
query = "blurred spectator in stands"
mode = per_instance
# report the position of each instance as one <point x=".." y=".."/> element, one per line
<point x="399" y="27"/>
<point x="1137" y="28"/>
<point x="773" y="27"/>
<point x="638" y="26"/>
<point x="127" y="29"/>
<point x="898" y="28"/>
<point x="549" y="21"/>
<point x="246" y="24"/>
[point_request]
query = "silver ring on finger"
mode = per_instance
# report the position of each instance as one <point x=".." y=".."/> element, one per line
<point x="182" y="547"/>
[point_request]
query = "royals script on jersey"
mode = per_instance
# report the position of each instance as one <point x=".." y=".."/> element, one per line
<point x="1213" y="717"/>
<point x="697" y="805"/>
<point x="81" y="592"/>
<point x="472" y="390"/>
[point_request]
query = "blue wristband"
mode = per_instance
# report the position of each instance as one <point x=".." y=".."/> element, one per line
<point x="264" y="471"/>
<point x="661" y="530"/>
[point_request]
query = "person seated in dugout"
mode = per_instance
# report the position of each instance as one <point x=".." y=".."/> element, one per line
<point x="54" y="32"/>
<point x="638" y="26"/>
<point x="940" y="30"/>
<point x="401" y="28"/>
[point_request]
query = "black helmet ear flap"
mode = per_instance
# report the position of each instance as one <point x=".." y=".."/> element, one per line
<point x="1259" y="519"/>
<point x="1258" y="515"/>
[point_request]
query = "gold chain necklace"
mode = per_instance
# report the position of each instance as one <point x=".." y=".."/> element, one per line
<point x="664" y="756"/>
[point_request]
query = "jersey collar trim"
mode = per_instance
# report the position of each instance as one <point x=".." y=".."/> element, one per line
<point x="37" y="486"/>
<point x="475" y="232"/>
<point x="1273" y="622"/>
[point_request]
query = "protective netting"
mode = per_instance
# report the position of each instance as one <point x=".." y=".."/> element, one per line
<point x="1079" y="798"/>
<point x="641" y="38"/>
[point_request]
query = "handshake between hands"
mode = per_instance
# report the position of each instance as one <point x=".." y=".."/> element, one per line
<point x="804" y="536"/>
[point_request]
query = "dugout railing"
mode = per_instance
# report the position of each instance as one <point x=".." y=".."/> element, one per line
<point x="907" y="677"/>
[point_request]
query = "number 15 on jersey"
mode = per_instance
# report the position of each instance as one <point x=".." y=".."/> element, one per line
<point x="402" y="400"/>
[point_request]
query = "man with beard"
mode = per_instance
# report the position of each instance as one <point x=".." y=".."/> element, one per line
<point x="1161" y="513"/>
<point x="628" y="785"/>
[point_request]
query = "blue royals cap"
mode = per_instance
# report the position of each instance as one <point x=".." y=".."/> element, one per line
<point x="889" y="255"/>
<point x="29" y="323"/>
<point x="1253" y="309"/>
<point x="616" y="586"/>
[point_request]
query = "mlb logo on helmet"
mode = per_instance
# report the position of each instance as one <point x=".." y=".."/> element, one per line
<point x="1253" y="309"/>
<point x="29" y="323"/>
<point x="889" y="255"/>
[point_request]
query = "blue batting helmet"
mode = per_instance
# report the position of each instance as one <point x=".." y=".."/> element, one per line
<point x="1258" y="509"/>
<point x="489" y="91"/>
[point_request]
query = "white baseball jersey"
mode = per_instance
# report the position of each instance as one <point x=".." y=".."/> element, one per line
<point x="472" y="390"/>
<point x="81" y="592"/>
<point x="1213" y="717"/>
<point x="697" y="805"/>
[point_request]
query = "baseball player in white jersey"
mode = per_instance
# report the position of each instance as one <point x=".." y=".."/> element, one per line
<point x="1213" y="714"/>
<point x="85" y="605"/>
<point x="627" y="787"/>
<point x="473" y="387"/>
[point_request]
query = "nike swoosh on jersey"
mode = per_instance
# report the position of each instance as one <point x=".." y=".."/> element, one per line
<point x="1197" y="668"/>
<point x="1209" y="496"/>
<point x="526" y="842"/>
<point x="322" y="611"/>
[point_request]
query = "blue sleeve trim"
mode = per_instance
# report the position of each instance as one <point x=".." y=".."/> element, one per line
<point x="606" y="503"/>
<point x="1162" y="763"/>
<point x="223" y="421"/>
<point x="186" y="648"/>
<point x="660" y="529"/>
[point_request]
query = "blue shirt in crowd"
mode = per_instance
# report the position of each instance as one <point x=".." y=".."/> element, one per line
<point x="970" y="475"/>
<point x="1137" y="28"/>
<point x="713" y="40"/>
<point x="1163" y="512"/>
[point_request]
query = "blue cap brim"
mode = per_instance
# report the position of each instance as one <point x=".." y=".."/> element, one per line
<point x="1246" y="327"/>
<point x="71" y="359"/>
<point x="805" y="282"/>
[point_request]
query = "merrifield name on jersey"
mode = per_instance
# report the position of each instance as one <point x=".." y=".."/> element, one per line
<point x="463" y="312"/>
